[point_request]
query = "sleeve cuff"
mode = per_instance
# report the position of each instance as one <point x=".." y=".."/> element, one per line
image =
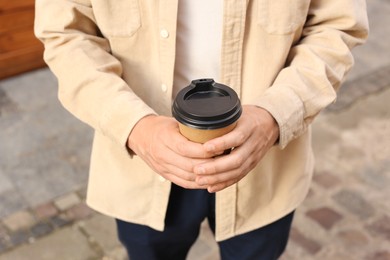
<point x="287" y="109"/>
<point x="119" y="119"/>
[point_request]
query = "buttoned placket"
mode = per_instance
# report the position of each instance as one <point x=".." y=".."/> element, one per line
<point x="167" y="35"/>
<point x="231" y="60"/>
<point x="233" y="33"/>
<point x="167" y="43"/>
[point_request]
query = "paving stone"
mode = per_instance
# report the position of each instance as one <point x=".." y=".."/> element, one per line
<point x="103" y="230"/>
<point x="41" y="229"/>
<point x="286" y="256"/>
<point x="326" y="179"/>
<point x="19" y="220"/>
<point x="7" y="105"/>
<point x="381" y="227"/>
<point x="4" y="238"/>
<point x="60" y="221"/>
<point x="10" y="202"/>
<point x="5" y="183"/>
<point x="36" y="84"/>
<point x="374" y="175"/>
<point x="31" y="174"/>
<point x="67" y="201"/>
<point x="353" y="238"/>
<point x="205" y="247"/>
<point x="306" y="243"/>
<point x="82" y="193"/>
<point x="354" y="203"/>
<point x="118" y="253"/>
<point x="310" y="194"/>
<point x="19" y="237"/>
<point x="382" y="255"/>
<point x="79" y="211"/>
<point x="45" y="211"/>
<point x="62" y="180"/>
<point x="65" y="244"/>
<point x="3" y="246"/>
<point x="325" y="216"/>
<point x="3" y="231"/>
<point x="336" y="256"/>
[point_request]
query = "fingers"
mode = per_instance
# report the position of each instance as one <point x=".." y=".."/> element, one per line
<point x="186" y="148"/>
<point x="223" y="164"/>
<point x="221" y="180"/>
<point x="166" y="161"/>
<point x="183" y="183"/>
<point x="220" y="174"/>
<point x="233" y="139"/>
<point x="158" y="142"/>
<point x="213" y="180"/>
<point x="221" y="186"/>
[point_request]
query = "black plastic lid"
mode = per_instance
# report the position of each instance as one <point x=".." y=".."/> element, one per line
<point x="206" y="104"/>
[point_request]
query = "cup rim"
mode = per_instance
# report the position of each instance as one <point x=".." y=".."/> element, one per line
<point x="190" y="109"/>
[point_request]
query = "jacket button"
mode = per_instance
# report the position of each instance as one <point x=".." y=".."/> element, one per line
<point x="164" y="87"/>
<point x="164" y="33"/>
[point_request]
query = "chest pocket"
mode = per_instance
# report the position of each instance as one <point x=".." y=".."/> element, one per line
<point x="282" y="16"/>
<point x="117" y="18"/>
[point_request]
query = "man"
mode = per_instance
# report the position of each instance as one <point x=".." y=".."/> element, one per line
<point x="119" y="64"/>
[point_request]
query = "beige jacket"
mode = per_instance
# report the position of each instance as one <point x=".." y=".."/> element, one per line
<point x="114" y="61"/>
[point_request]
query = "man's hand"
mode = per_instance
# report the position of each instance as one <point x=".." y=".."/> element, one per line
<point x="254" y="135"/>
<point x="157" y="140"/>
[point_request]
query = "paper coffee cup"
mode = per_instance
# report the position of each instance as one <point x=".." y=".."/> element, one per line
<point x="206" y="110"/>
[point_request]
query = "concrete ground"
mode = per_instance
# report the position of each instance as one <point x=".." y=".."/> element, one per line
<point x="44" y="156"/>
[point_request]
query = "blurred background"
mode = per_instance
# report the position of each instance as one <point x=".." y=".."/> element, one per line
<point x="44" y="157"/>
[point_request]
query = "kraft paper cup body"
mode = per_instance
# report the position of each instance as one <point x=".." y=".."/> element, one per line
<point x="204" y="135"/>
<point x="206" y="110"/>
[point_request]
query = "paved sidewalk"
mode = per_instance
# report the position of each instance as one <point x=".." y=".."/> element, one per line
<point x="44" y="157"/>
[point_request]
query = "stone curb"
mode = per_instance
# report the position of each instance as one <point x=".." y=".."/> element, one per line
<point x="27" y="225"/>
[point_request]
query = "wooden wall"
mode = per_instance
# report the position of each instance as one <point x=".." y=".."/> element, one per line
<point x="20" y="51"/>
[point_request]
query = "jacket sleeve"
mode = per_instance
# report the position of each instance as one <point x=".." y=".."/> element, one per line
<point x="89" y="77"/>
<point x="316" y="65"/>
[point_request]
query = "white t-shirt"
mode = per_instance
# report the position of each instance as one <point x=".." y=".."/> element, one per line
<point x="198" y="42"/>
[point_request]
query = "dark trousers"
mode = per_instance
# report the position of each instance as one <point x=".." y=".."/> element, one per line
<point x="186" y="211"/>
